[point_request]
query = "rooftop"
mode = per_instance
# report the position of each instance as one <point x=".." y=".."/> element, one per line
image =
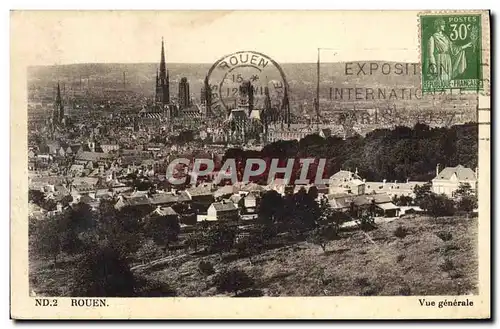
<point x="462" y="173"/>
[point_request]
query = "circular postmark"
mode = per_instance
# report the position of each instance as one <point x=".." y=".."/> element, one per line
<point x="228" y="73"/>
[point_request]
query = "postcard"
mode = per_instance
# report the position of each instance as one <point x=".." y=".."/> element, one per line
<point x="250" y="164"/>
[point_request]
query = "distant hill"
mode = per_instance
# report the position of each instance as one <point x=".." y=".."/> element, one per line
<point x="142" y="73"/>
<point x="140" y="78"/>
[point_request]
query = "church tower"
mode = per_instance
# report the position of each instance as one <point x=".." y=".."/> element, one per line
<point x="246" y="96"/>
<point x="58" y="113"/>
<point x="157" y="88"/>
<point x="206" y="96"/>
<point x="162" y="85"/>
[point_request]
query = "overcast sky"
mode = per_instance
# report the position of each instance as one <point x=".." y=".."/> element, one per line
<point x="203" y="37"/>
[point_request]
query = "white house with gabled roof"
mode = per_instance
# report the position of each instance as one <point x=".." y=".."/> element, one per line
<point x="448" y="180"/>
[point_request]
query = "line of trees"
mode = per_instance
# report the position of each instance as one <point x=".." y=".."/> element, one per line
<point x="393" y="154"/>
<point x="465" y="200"/>
<point x="104" y="242"/>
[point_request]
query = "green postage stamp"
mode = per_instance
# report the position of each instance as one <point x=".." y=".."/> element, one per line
<point x="451" y="52"/>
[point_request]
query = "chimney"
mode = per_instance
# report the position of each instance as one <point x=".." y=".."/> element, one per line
<point x="437" y="169"/>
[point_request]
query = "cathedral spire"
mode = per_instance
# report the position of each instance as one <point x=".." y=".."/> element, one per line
<point x="286" y="107"/>
<point x="58" y="95"/>
<point x="163" y="85"/>
<point x="163" y="66"/>
<point x="208" y="95"/>
<point x="58" y="114"/>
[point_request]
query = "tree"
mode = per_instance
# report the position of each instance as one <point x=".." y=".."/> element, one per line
<point x="422" y="194"/>
<point x="66" y="200"/>
<point x="195" y="240"/>
<point x="467" y="199"/>
<point x="439" y="205"/>
<point x="103" y="273"/>
<point x="163" y="230"/>
<point x="49" y="204"/>
<point x="81" y="218"/>
<point x="402" y="200"/>
<point x="367" y="222"/>
<point x="464" y="189"/>
<point x="305" y="208"/>
<point x="353" y="210"/>
<point x="328" y="215"/>
<point x="323" y="234"/>
<point x="147" y="251"/>
<point x="48" y="238"/>
<point x="271" y="206"/>
<point x="119" y="228"/>
<point x="221" y="238"/>
<point x="36" y="196"/>
<point x="233" y="281"/>
<point x="249" y="246"/>
<point x="467" y="204"/>
<point x="372" y="208"/>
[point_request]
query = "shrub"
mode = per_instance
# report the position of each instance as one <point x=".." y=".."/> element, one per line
<point x="449" y="247"/>
<point x="103" y="273"/>
<point x="248" y="246"/>
<point x="221" y="237"/>
<point x="403" y="200"/>
<point x="362" y="282"/>
<point x="447" y="265"/>
<point x="404" y="291"/>
<point x="400" y="232"/>
<point x="438" y="205"/>
<point x="323" y="234"/>
<point x="153" y="288"/>
<point x="467" y="203"/>
<point x="147" y="251"/>
<point x="206" y="268"/>
<point x="400" y="258"/>
<point x="467" y="199"/>
<point x="367" y="222"/>
<point x="233" y="281"/>
<point x="195" y="240"/>
<point x="444" y="235"/>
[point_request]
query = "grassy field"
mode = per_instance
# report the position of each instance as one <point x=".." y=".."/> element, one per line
<point x="430" y="257"/>
<point x="420" y="263"/>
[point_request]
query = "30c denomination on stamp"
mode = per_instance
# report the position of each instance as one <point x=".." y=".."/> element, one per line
<point x="451" y="52"/>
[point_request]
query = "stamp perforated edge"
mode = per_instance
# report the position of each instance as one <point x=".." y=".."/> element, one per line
<point x="485" y="44"/>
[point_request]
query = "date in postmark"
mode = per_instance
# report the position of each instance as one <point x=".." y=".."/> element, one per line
<point x="229" y="72"/>
<point x="451" y="52"/>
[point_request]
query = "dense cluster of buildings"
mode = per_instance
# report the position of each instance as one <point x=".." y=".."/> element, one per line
<point x="123" y="157"/>
<point x="92" y="172"/>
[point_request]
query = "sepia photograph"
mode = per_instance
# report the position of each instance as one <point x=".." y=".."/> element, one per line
<point x="185" y="156"/>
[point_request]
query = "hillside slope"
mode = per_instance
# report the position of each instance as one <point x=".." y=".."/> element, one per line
<point x="420" y="263"/>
